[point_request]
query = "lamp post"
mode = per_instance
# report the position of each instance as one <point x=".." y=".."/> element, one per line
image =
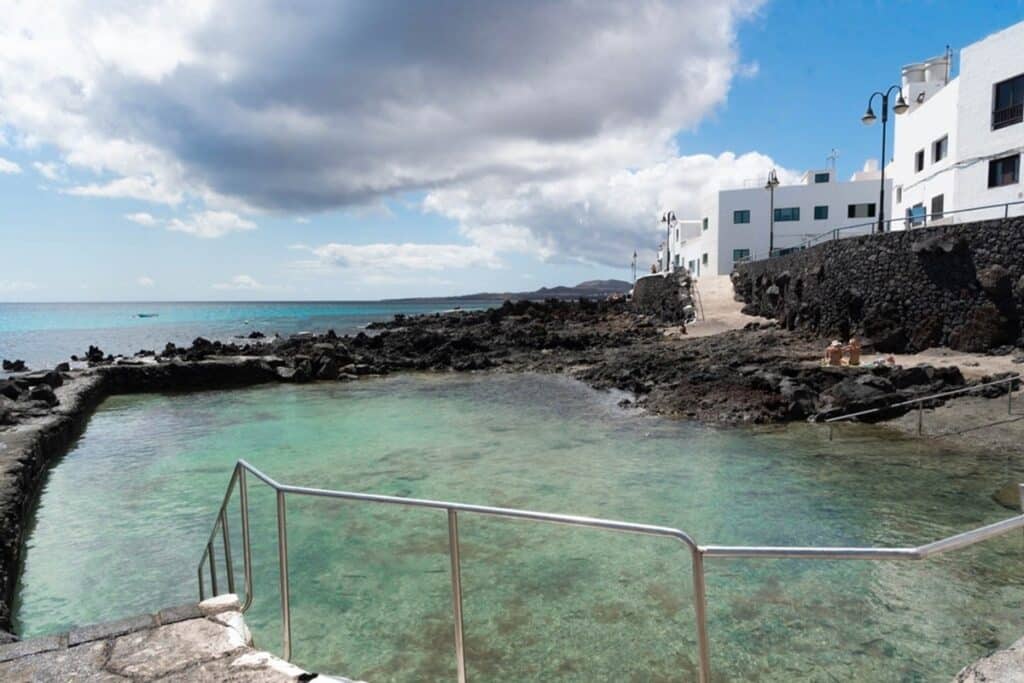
<point x="869" y="118"/>
<point x="773" y="182"/>
<point x="669" y="219"/>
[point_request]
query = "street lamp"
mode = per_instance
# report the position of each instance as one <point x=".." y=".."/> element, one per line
<point x="773" y="182"/>
<point x="869" y="117"/>
<point x="669" y="219"/>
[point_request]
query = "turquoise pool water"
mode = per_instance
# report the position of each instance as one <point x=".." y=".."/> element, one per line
<point x="124" y="516"/>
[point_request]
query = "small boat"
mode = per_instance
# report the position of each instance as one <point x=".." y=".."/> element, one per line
<point x="147" y="315"/>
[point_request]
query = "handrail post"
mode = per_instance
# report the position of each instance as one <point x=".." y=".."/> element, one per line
<point x="227" y="550"/>
<point x="213" y="569"/>
<point x="243" y="501"/>
<point x="920" y="417"/>
<point x="282" y="563"/>
<point x="700" y="612"/>
<point x="453" y="554"/>
<point x="829" y="431"/>
<point x="199" y="575"/>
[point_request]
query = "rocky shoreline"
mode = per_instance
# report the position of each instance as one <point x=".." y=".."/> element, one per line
<point x="757" y="375"/>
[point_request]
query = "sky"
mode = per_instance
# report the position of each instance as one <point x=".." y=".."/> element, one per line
<point x="254" y="150"/>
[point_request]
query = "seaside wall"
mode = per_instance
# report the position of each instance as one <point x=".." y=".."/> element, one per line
<point x="960" y="286"/>
<point x="663" y="296"/>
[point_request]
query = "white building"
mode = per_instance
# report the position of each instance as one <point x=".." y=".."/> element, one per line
<point x="959" y="145"/>
<point x="736" y="224"/>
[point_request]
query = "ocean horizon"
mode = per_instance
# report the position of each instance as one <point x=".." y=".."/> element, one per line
<point x="46" y="333"/>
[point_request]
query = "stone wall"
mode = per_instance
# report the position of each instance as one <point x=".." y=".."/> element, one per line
<point x="665" y="296"/>
<point x="960" y="286"/>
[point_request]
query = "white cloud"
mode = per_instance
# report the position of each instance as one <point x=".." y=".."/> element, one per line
<point x="392" y="257"/>
<point x="12" y="286"/>
<point x="49" y="170"/>
<point x="7" y="166"/>
<point x="302" y="220"/>
<point x="145" y="281"/>
<point x="211" y="224"/>
<point x="240" y="282"/>
<point x="232" y="106"/>
<point x="142" y="218"/>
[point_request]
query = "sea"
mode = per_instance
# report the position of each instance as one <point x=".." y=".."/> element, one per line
<point x="44" y="334"/>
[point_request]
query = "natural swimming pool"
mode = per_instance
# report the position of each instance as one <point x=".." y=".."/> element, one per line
<point x="123" y="519"/>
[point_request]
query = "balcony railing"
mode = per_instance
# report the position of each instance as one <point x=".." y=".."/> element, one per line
<point x="1007" y="116"/>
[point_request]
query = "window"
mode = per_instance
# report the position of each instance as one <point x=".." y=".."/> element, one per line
<point x="693" y="266"/>
<point x="919" y="161"/>
<point x="1008" y="102"/>
<point x="1005" y="171"/>
<point x="740" y="255"/>
<point x="821" y="177"/>
<point x="940" y="148"/>
<point x="791" y="213"/>
<point x="899" y="194"/>
<point x="937" y="205"/>
<point x="860" y="210"/>
<point x="741" y="216"/>
<point x="704" y="259"/>
<point x="820" y="213"/>
<point x="704" y="224"/>
<point x="915" y="215"/>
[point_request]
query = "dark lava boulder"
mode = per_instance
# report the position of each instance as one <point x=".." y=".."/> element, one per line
<point x="14" y="365"/>
<point x="6" y="411"/>
<point x="854" y="394"/>
<point x="51" y="378"/>
<point x="985" y="327"/>
<point x="255" y="334"/>
<point x="94" y="354"/>
<point x="9" y="389"/>
<point x="44" y="393"/>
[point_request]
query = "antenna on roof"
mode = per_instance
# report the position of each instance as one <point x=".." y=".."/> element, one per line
<point x="831" y="158"/>
<point x="949" y="63"/>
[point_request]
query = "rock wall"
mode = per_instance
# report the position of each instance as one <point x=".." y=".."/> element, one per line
<point x="960" y="286"/>
<point x="666" y="297"/>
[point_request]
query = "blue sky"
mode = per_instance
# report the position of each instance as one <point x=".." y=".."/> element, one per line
<point x="252" y="183"/>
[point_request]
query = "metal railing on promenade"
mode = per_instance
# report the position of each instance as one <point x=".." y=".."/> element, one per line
<point x="909" y="222"/>
<point x="698" y="553"/>
<point x="1012" y="380"/>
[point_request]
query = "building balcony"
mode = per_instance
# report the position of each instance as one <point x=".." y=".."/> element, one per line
<point x="1007" y="116"/>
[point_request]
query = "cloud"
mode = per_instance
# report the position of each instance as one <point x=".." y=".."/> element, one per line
<point x="408" y="256"/>
<point x="211" y="224"/>
<point x="240" y="282"/>
<point x="145" y="281"/>
<point x="142" y="218"/>
<point x="9" y="167"/>
<point x="11" y="286"/>
<point x="49" y="170"/>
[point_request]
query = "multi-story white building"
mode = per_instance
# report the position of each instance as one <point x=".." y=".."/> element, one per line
<point x="736" y="223"/>
<point x="959" y="145"/>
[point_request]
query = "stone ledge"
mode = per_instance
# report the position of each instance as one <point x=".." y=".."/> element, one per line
<point x="208" y="641"/>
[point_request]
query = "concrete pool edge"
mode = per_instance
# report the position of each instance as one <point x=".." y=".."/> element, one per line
<point x="28" y="449"/>
<point x="208" y="640"/>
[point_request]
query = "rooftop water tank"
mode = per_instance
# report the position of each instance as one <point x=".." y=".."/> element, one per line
<point x="913" y="73"/>
<point x="935" y="70"/>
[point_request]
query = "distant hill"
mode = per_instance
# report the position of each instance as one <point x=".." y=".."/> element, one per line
<point x="591" y="289"/>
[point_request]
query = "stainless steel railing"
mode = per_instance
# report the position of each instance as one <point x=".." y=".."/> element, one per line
<point x="920" y="401"/>
<point x="698" y="553"/>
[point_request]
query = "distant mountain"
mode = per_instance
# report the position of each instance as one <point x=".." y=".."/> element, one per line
<point x="591" y="289"/>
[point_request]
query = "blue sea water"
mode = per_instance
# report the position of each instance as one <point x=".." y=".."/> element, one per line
<point x="48" y="333"/>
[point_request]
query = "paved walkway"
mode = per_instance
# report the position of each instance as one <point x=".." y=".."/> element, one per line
<point x="205" y="642"/>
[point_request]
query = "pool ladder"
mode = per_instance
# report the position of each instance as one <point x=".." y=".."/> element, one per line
<point x="698" y="553"/>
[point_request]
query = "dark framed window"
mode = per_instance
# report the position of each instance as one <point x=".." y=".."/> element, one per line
<point x="741" y="216"/>
<point x="740" y="255"/>
<point x="789" y="213"/>
<point x="704" y="259"/>
<point x="938" y="204"/>
<point x="1005" y="171"/>
<point x="821" y="177"/>
<point x="899" y="194"/>
<point x="704" y="224"/>
<point x="1008" y="102"/>
<point x="820" y="213"/>
<point x="940" y="148"/>
<point x="860" y="210"/>
<point x="919" y="161"/>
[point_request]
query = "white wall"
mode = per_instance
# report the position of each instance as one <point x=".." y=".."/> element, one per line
<point x="982" y="65"/>
<point x="919" y="129"/>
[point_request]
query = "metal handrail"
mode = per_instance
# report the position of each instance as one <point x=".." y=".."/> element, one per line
<point x="697" y="552"/>
<point x="921" y="400"/>
<point x="911" y="221"/>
